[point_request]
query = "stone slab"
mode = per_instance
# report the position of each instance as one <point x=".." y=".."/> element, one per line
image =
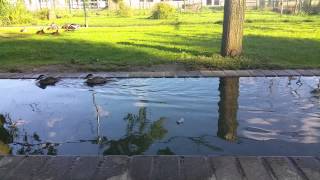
<point x="113" y="167"/>
<point x="8" y="164"/>
<point x="56" y="168"/>
<point x="283" y="168"/>
<point x="310" y="167"/>
<point x="165" y="167"/>
<point x="225" y="167"/>
<point x="27" y="168"/>
<point x="84" y="168"/>
<point x="253" y="168"/>
<point x="195" y="167"/>
<point x="140" y="168"/>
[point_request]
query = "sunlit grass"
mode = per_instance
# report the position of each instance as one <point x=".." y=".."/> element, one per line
<point x="193" y="40"/>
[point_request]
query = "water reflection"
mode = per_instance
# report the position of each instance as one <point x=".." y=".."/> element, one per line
<point x="139" y="116"/>
<point x="140" y="134"/>
<point x="228" y="108"/>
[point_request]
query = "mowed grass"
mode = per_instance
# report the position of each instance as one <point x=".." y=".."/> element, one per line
<point x="191" y="40"/>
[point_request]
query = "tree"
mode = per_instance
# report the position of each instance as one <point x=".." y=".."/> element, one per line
<point x="232" y="28"/>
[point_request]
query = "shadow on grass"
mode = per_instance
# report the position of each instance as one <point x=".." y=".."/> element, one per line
<point x="259" y="52"/>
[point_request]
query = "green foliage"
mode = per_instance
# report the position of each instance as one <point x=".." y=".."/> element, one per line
<point x="124" y="10"/>
<point x="13" y="14"/>
<point x="163" y="11"/>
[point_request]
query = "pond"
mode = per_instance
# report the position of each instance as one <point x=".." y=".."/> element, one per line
<point x="150" y="116"/>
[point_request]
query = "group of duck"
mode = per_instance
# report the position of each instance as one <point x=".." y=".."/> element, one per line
<point x="55" y="28"/>
<point x="91" y="80"/>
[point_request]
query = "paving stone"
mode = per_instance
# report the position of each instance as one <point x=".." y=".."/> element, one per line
<point x="305" y="72"/>
<point x="56" y="168"/>
<point x="188" y="74"/>
<point x="268" y="73"/>
<point x="140" y="168"/>
<point x="281" y="73"/>
<point x="316" y="72"/>
<point x="243" y="73"/>
<point x="165" y="168"/>
<point x="8" y="164"/>
<point x="230" y="73"/>
<point x="27" y="168"/>
<point x="113" y="167"/>
<point x="170" y="74"/>
<point x="253" y="168"/>
<point x="310" y="167"/>
<point x="84" y="168"/>
<point x="195" y="168"/>
<point x="226" y="168"/>
<point x="212" y="73"/>
<point x="293" y="72"/>
<point x="256" y="73"/>
<point x="283" y="168"/>
<point x="140" y="74"/>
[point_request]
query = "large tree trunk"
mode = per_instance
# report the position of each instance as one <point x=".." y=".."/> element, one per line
<point x="228" y="108"/>
<point x="232" y="28"/>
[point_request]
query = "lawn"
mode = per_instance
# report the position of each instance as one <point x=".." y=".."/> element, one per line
<point x="190" y="40"/>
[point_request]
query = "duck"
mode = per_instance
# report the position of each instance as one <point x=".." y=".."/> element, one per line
<point x="24" y="29"/>
<point x="316" y="92"/>
<point x="40" y="32"/>
<point x="180" y="121"/>
<point x="95" y="80"/>
<point x="44" y="81"/>
<point x="56" y="33"/>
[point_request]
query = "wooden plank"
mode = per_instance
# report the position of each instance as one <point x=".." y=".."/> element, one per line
<point x="165" y="168"/>
<point x="226" y="168"/>
<point x="195" y="167"/>
<point x="113" y="167"/>
<point x="309" y="166"/>
<point x="56" y="168"/>
<point x="84" y="168"/>
<point x="140" y="167"/>
<point x="27" y="168"/>
<point x="283" y="168"/>
<point x="254" y="169"/>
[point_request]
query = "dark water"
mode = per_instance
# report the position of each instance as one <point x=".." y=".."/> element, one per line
<point x="199" y="116"/>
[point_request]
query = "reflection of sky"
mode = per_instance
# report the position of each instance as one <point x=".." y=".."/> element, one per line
<point x="270" y="110"/>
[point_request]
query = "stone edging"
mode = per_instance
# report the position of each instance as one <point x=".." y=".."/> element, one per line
<point x="172" y="74"/>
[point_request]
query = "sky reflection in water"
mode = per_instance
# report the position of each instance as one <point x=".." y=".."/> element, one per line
<point x="246" y="116"/>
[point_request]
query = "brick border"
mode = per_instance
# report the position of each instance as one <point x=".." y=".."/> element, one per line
<point x="172" y="74"/>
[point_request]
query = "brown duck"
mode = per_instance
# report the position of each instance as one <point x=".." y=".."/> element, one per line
<point x="44" y="81"/>
<point x="95" y="80"/>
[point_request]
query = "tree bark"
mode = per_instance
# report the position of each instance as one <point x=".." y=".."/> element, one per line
<point x="228" y="108"/>
<point x="232" y="28"/>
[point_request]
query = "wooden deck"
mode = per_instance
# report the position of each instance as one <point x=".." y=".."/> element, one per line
<point x="158" y="168"/>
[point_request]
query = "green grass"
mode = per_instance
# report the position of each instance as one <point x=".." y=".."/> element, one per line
<point x="192" y="40"/>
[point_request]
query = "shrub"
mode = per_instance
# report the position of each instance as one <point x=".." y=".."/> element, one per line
<point x="124" y="10"/>
<point x="13" y="14"/>
<point x="46" y="14"/>
<point x="163" y="11"/>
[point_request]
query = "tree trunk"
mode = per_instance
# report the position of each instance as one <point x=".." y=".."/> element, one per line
<point x="85" y="14"/>
<point x="232" y="28"/>
<point x="281" y="7"/>
<point x="228" y="108"/>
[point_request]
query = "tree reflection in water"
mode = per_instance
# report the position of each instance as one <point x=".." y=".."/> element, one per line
<point x="27" y="144"/>
<point x="228" y="107"/>
<point x="140" y="134"/>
